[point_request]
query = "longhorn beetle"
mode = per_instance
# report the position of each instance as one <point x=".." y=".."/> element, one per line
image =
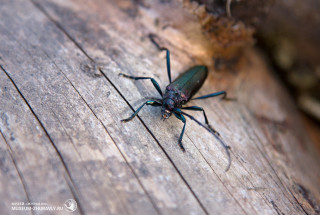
<point x="178" y="93"/>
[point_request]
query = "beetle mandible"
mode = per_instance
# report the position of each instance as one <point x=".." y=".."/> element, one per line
<point x="178" y="93"/>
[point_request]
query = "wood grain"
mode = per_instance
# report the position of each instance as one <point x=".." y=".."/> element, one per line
<point x="61" y="102"/>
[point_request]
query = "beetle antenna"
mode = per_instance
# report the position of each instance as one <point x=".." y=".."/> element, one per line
<point x="152" y="39"/>
<point x="225" y="146"/>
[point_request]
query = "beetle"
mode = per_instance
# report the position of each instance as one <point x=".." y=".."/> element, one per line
<point x="178" y="93"/>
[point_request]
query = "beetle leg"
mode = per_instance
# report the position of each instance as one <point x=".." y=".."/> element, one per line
<point x="151" y="102"/>
<point x="154" y="82"/>
<point x="224" y="93"/>
<point x="183" y="119"/>
<point x="225" y="146"/>
<point x="196" y="108"/>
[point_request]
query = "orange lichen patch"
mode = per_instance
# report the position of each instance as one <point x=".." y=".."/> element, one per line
<point x="228" y="36"/>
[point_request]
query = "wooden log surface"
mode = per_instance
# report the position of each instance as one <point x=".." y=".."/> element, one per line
<point x="61" y="101"/>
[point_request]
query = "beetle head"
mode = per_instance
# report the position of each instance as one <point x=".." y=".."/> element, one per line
<point x="167" y="108"/>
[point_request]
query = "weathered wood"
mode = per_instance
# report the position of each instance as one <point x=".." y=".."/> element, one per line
<point x="102" y="174"/>
<point x="65" y="118"/>
<point x="28" y="158"/>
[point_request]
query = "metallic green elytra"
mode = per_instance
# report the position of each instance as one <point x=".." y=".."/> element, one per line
<point x="181" y="90"/>
<point x="177" y="94"/>
<point x="189" y="82"/>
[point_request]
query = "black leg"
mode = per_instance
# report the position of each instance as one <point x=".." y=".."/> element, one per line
<point x="154" y="82"/>
<point x="196" y="108"/>
<point x="183" y="119"/>
<point x="153" y="103"/>
<point x="224" y="93"/>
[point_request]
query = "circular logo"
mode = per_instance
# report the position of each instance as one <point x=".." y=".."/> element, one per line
<point x="70" y="205"/>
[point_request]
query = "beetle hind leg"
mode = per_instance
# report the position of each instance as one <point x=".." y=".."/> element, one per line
<point x="224" y="93"/>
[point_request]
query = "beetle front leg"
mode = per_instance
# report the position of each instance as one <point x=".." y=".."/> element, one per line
<point x="151" y="102"/>
<point x="183" y="119"/>
<point x="196" y="108"/>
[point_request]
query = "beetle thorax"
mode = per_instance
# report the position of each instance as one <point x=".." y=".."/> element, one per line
<point x="168" y="103"/>
<point x="171" y="99"/>
<point x="177" y="96"/>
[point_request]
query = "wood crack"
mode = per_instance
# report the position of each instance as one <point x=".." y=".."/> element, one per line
<point x="105" y="128"/>
<point x="141" y="170"/>
<point x="164" y="151"/>
<point x="61" y="28"/>
<point x="275" y="173"/>
<point x="24" y="184"/>
<point x="74" y="194"/>
<point x="166" y="154"/>
<point x="42" y="126"/>
<point x="70" y="139"/>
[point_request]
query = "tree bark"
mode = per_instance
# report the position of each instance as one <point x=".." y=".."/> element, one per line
<point x="61" y="102"/>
